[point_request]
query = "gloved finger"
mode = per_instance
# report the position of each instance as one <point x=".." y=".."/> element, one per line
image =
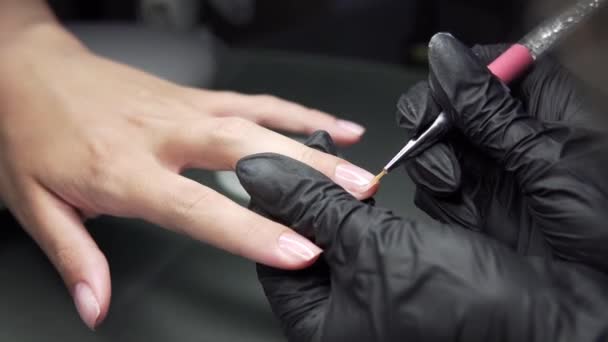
<point x="548" y="90"/>
<point x="484" y="111"/>
<point x="437" y="169"/>
<point x="322" y="142"/>
<point x="309" y="202"/>
<point x="416" y="110"/>
<point x="552" y="94"/>
<point x="59" y="232"/>
<point x="488" y="53"/>
<point x="459" y="209"/>
<point x="299" y="298"/>
<point x="485" y="208"/>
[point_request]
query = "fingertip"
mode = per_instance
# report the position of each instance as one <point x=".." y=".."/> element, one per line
<point x="58" y="230"/>
<point x="257" y="171"/>
<point x="295" y="251"/>
<point x="279" y="247"/>
<point x="102" y="286"/>
<point x="368" y="191"/>
<point x="322" y="141"/>
<point x="350" y="127"/>
<point x="451" y="61"/>
<point x="344" y="140"/>
<point x="87" y="304"/>
<point x="345" y="132"/>
<point x="353" y="179"/>
<point x="441" y="41"/>
<point x="91" y="293"/>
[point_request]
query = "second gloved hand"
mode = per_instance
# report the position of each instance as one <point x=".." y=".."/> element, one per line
<point x="526" y="167"/>
<point x="385" y="278"/>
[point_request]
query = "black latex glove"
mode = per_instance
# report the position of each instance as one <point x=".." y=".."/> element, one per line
<point x="385" y="278"/>
<point x="524" y="167"/>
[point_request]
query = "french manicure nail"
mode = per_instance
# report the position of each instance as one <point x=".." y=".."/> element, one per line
<point x="352" y="177"/>
<point x="298" y="247"/>
<point x="86" y="304"/>
<point x="351" y="127"/>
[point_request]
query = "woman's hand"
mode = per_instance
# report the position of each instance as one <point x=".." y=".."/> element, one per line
<point x="82" y="136"/>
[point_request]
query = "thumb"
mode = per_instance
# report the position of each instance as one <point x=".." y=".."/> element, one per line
<point x="299" y="298"/>
<point x="59" y="232"/>
<point x="437" y="169"/>
<point x="481" y="107"/>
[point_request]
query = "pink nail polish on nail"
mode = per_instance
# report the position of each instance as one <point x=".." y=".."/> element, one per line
<point x="298" y="247"/>
<point x="86" y="304"/>
<point x="352" y="177"/>
<point x="351" y="127"/>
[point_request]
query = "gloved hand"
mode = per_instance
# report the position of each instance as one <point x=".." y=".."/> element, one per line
<point x="525" y="168"/>
<point x="385" y="278"/>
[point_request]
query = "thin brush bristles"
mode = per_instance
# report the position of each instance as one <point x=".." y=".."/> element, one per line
<point x="378" y="177"/>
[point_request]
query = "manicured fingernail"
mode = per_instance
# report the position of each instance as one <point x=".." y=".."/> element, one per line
<point x="297" y="247"/>
<point x="350" y="127"/>
<point x="353" y="178"/>
<point x="86" y="304"/>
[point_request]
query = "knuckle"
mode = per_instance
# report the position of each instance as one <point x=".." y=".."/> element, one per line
<point x="104" y="176"/>
<point x="267" y="98"/>
<point x="315" y="159"/>
<point x="66" y="258"/>
<point x="99" y="150"/>
<point x="99" y="169"/>
<point x="307" y="155"/>
<point x="231" y="129"/>
<point x="185" y="203"/>
<point x="137" y="120"/>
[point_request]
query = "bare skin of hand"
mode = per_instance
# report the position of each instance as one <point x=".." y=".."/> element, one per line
<point x="82" y="136"/>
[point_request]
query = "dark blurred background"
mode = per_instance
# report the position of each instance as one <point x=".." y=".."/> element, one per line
<point x="380" y="30"/>
<point x="387" y="31"/>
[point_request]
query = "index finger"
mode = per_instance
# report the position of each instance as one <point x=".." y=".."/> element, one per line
<point x="219" y="143"/>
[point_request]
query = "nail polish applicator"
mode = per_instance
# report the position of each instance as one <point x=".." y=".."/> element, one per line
<point x="507" y="67"/>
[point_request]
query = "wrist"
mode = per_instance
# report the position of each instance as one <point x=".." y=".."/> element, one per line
<point x="30" y="34"/>
<point x="40" y="37"/>
<point x="31" y="54"/>
<point x="17" y="16"/>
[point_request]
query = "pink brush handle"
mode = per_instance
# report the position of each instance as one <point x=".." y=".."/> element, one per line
<point x="507" y="67"/>
<point x="511" y="63"/>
